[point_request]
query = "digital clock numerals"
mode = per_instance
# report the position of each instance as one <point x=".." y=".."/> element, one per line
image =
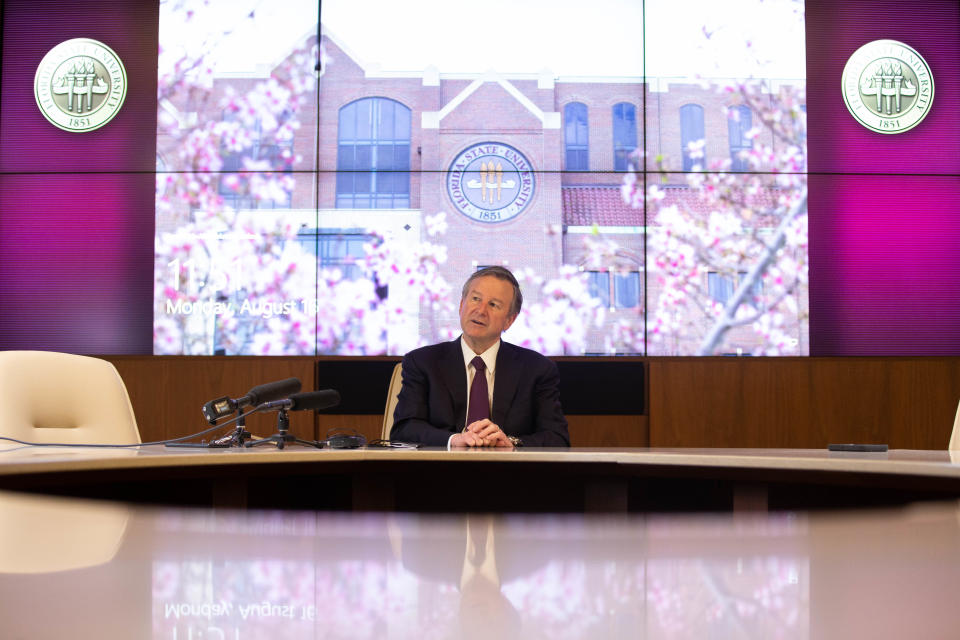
<point x="208" y="633"/>
<point x="189" y="277"/>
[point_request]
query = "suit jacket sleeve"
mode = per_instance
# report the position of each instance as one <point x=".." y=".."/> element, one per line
<point x="534" y="413"/>
<point x="425" y="411"/>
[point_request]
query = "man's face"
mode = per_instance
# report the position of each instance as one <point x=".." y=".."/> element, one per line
<point x="485" y="312"/>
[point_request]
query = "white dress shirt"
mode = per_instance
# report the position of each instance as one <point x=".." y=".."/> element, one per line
<point x="490" y="359"/>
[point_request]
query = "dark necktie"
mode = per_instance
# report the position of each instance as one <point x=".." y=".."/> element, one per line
<point x="479" y="398"/>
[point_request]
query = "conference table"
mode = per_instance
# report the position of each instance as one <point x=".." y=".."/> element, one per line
<point x="77" y="568"/>
<point x="171" y="543"/>
<point x="524" y="480"/>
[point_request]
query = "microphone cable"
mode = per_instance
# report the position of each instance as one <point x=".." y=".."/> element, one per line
<point x="89" y="445"/>
<point x="309" y="400"/>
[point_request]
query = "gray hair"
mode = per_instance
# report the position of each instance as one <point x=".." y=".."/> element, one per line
<point x="500" y="273"/>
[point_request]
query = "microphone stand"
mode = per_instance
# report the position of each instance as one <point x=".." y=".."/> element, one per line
<point x="283" y="435"/>
<point x="239" y="435"/>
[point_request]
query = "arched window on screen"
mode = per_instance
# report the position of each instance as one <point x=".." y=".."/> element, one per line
<point x="576" y="137"/>
<point x="739" y="123"/>
<point x="691" y="131"/>
<point x="624" y="135"/>
<point x="373" y="155"/>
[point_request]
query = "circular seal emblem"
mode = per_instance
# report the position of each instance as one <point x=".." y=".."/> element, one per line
<point x="490" y="182"/>
<point x="887" y="86"/>
<point x="80" y="85"/>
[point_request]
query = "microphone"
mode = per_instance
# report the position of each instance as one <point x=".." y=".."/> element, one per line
<point x="220" y="407"/>
<point x="306" y="401"/>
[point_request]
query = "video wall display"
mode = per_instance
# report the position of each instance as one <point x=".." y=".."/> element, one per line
<point x="298" y="178"/>
<point x="634" y="193"/>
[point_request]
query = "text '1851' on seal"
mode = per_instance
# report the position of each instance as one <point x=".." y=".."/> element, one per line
<point x="490" y="182"/>
<point x="80" y="85"/>
<point x="887" y="86"/>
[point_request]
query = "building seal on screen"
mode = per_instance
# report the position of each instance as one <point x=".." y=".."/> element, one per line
<point x="887" y="86"/>
<point x="490" y="182"/>
<point x="80" y="85"/>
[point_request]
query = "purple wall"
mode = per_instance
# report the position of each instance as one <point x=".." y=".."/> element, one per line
<point x="77" y="210"/>
<point x="884" y="209"/>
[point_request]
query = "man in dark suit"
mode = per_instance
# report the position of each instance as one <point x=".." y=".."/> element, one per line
<point x="514" y="396"/>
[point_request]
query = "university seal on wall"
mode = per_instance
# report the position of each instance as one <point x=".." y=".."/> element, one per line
<point x="490" y="182"/>
<point x="887" y="86"/>
<point x="80" y="85"/>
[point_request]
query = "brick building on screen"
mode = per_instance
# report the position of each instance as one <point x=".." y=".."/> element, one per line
<point x="525" y="167"/>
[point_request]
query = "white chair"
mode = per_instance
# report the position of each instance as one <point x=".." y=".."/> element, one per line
<point x="50" y="397"/>
<point x="392" y="393"/>
<point x="955" y="435"/>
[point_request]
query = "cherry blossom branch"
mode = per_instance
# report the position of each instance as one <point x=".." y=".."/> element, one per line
<point x="726" y="321"/>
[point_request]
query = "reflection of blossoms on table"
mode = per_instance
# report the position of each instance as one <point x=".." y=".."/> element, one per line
<point x="576" y="600"/>
<point x="687" y="597"/>
<point x="367" y="598"/>
<point x="303" y="574"/>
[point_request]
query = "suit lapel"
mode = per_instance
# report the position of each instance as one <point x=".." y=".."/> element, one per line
<point x="456" y="379"/>
<point x="506" y="381"/>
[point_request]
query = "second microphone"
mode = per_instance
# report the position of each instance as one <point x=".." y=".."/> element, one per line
<point x="309" y="400"/>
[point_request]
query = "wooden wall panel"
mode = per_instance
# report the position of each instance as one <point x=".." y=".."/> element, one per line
<point x="608" y="431"/>
<point x="692" y="402"/>
<point x="802" y="402"/>
<point x="909" y="403"/>
<point x="727" y="402"/>
<point x="167" y="392"/>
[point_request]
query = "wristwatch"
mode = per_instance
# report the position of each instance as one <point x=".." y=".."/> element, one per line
<point x="515" y="441"/>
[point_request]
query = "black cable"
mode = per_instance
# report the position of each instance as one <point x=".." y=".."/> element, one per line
<point x="126" y="446"/>
<point x="344" y="438"/>
<point x="380" y="443"/>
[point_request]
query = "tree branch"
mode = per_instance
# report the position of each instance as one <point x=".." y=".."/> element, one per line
<point x="727" y="320"/>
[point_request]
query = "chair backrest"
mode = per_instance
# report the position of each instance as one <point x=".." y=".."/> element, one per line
<point x="955" y="435"/>
<point x="61" y="397"/>
<point x="392" y="393"/>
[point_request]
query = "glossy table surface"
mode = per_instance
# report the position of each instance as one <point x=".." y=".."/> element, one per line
<point x="524" y="480"/>
<point x="17" y="459"/>
<point x="78" y="569"/>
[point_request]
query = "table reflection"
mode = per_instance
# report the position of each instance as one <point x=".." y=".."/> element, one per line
<point x="45" y="535"/>
<point x="192" y="574"/>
